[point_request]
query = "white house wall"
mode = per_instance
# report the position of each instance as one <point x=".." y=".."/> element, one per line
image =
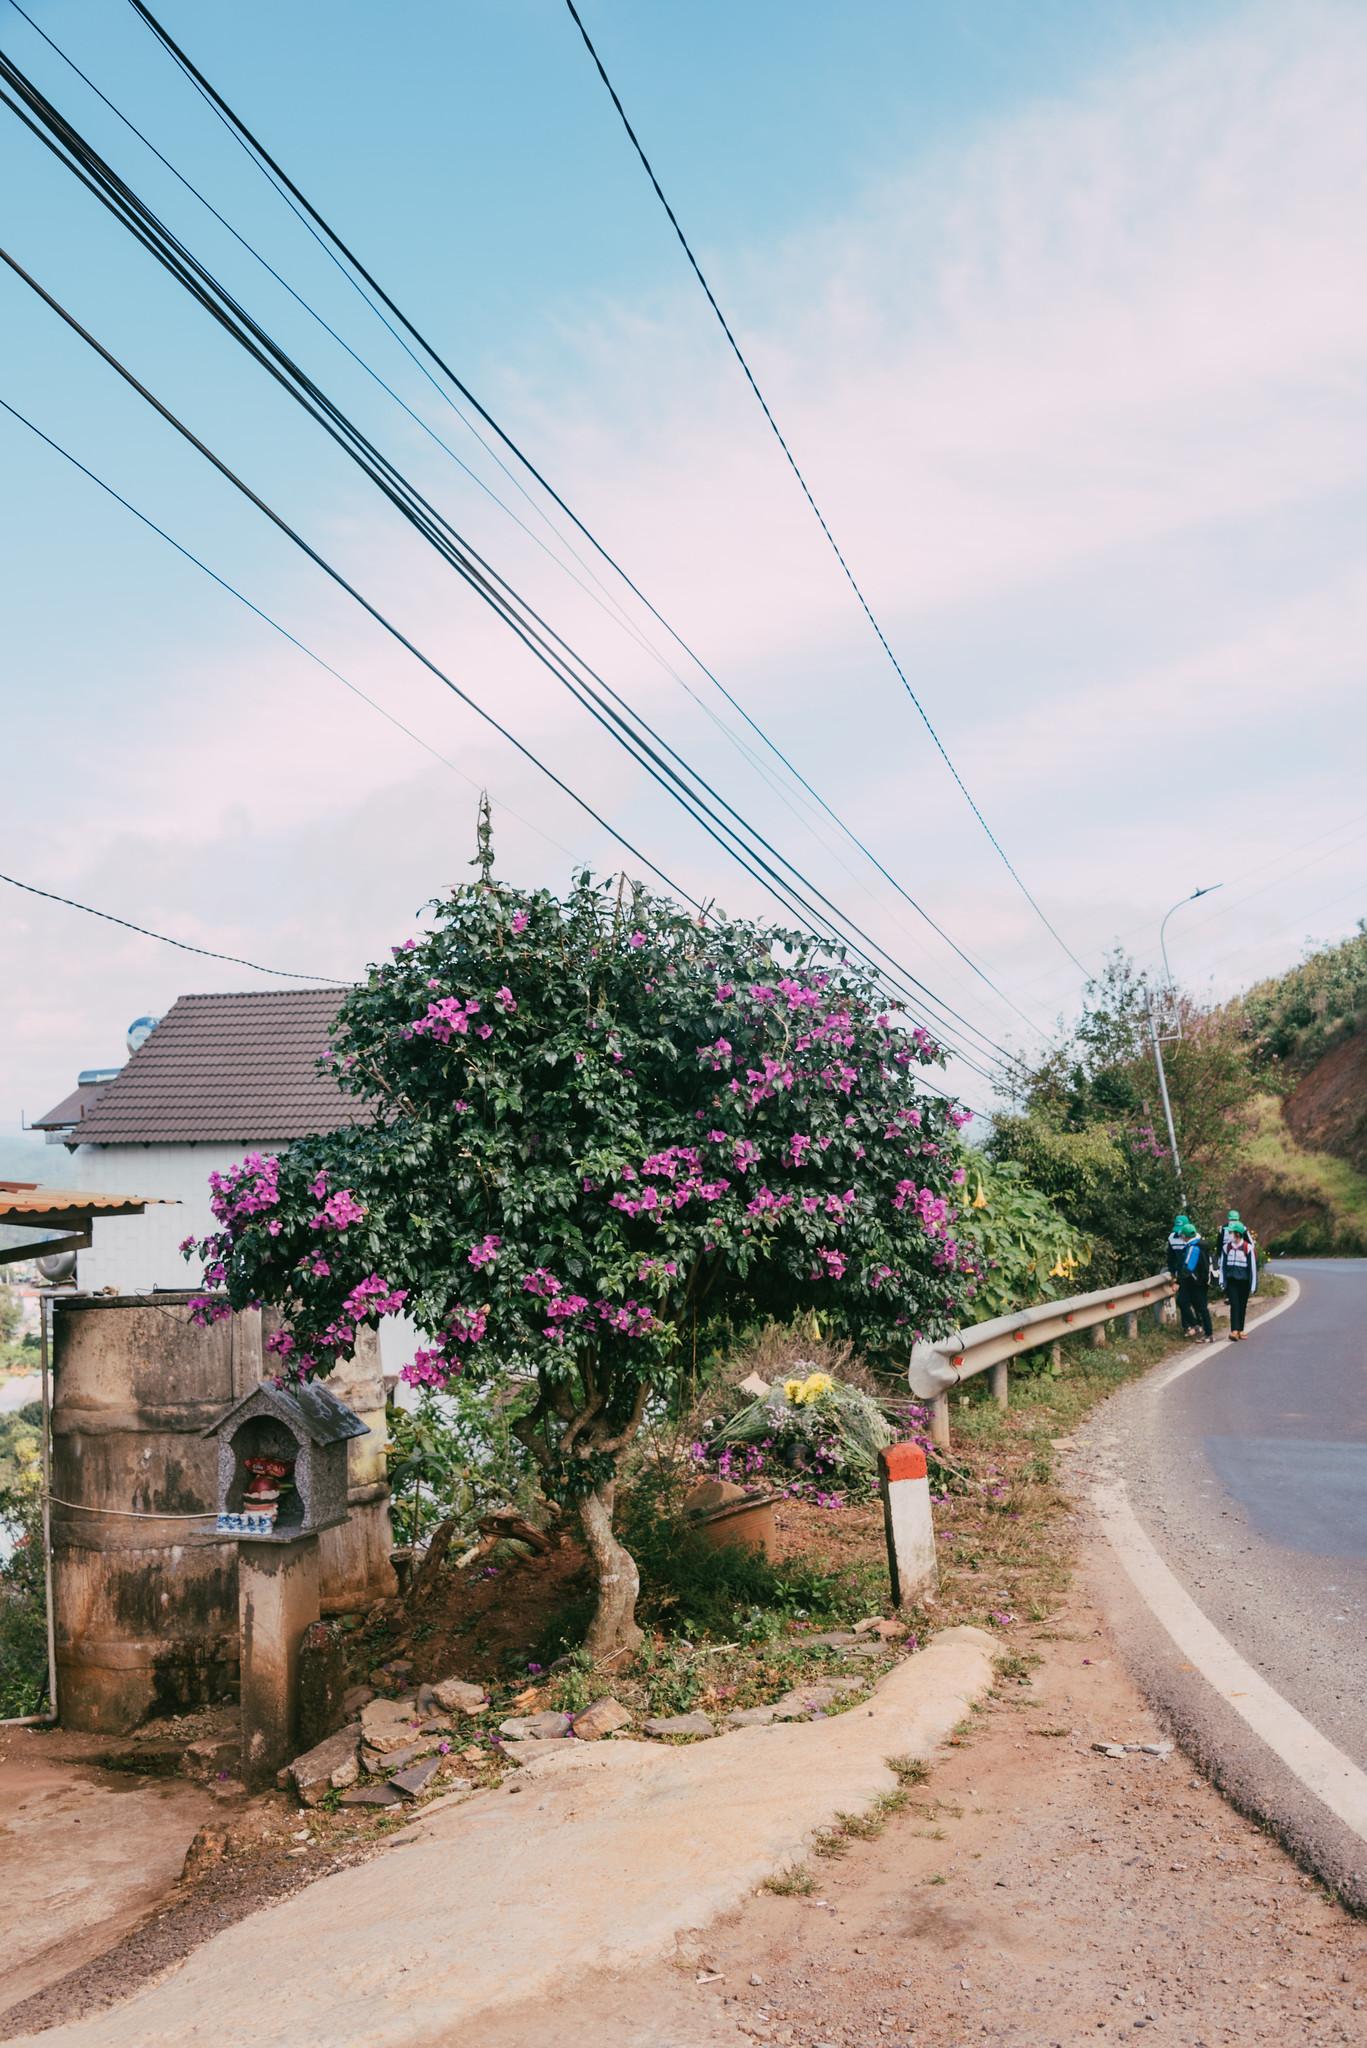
<point x="137" y="1254"/>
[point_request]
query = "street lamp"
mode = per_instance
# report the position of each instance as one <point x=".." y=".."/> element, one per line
<point x="1209" y="890"/>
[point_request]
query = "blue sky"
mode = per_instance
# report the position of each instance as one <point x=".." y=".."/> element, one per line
<point x="1059" y="306"/>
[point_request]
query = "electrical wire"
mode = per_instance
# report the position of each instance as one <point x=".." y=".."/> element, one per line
<point x="282" y="525"/>
<point x="342" y="256"/>
<point x="184" y="946"/>
<point x="750" y="378"/>
<point x="336" y="575"/>
<point x="77" y="155"/>
<point x="274" y="624"/>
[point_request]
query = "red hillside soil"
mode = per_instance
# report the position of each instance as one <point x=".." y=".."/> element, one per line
<point x="1327" y="1109"/>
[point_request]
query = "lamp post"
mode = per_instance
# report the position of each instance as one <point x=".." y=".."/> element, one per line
<point x="1209" y="890"/>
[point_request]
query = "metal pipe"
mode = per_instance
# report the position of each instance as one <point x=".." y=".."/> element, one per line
<point x="1167" y="1106"/>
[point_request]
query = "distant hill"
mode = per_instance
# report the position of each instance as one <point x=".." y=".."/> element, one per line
<point x="1304" y="1179"/>
<point x="23" y="1157"/>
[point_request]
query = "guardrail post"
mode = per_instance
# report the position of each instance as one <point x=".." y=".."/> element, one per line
<point x="907" y="1522"/>
<point x="1098" y="1336"/>
<point x="939" y="1422"/>
<point x="1000" y="1388"/>
<point x="1132" y="1324"/>
<point x="1056" y="1357"/>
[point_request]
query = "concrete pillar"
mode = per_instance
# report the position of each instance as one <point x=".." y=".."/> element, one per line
<point x="907" y="1522"/>
<point x="1098" y="1336"/>
<point x="1132" y="1324"/>
<point x="1056" y="1357"/>
<point x="939" y="1422"/>
<point x="1000" y="1383"/>
<point x="278" y="1598"/>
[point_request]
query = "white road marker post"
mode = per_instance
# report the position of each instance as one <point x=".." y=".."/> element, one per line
<point x="905" y="1487"/>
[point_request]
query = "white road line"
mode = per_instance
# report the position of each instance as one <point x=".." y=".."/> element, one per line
<point x="1202" y="1352"/>
<point x="1322" y="1768"/>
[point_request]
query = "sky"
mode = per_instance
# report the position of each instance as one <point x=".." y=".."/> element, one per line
<point x="1060" y="308"/>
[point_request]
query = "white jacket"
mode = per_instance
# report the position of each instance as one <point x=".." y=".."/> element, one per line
<point x="1230" y="1263"/>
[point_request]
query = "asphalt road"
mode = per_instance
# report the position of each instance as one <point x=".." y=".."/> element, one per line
<point x="1248" y="1474"/>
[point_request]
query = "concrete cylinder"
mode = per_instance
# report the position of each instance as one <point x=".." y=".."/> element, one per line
<point x="145" y="1595"/>
<point x="144" y="1590"/>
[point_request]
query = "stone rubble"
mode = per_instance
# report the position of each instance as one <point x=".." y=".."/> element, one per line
<point x="329" y="1766"/>
<point x="454" y="1696"/>
<point x="547" y="1727"/>
<point x="388" y="1724"/>
<point x="417" y="1778"/>
<point x="604" y="1717"/>
<point x="665" y="1725"/>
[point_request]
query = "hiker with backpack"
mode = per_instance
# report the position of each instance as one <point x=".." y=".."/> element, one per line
<point x="1176" y="1250"/>
<point x="1193" y="1284"/>
<point x="1238" y="1274"/>
<point x="1234" y="1224"/>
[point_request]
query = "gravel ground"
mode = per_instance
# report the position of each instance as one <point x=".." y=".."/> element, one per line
<point x="1036" y="1894"/>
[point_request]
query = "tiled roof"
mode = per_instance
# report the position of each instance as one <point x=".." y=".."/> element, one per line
<point x="229" y="1069"/>
<point x="72" y="1108"/>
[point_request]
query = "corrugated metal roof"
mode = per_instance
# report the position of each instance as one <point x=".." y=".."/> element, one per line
<point x="228" y="1069"/>
<point x="21" y="1202"/>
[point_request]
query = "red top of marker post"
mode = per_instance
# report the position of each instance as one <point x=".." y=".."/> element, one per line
<point x="903" y="1461"/>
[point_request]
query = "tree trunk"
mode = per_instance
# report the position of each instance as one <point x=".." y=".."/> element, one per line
<point x="613" y="1633"/>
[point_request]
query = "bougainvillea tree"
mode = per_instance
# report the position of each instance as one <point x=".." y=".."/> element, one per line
<point x="596" y="1123"/>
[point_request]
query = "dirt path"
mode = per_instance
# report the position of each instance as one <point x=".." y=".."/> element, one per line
<point x="1036" y="1894"/>
<point x="83" y="1855"/>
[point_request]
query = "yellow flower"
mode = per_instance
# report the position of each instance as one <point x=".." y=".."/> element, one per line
<point x="980" y="1199"/>
<point x="815" y="1385"/>
<point x="793" y="1389"/>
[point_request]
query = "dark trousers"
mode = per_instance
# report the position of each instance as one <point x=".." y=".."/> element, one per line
<point x="1194" y="1302"/>
<point x="1236" y="1292"/>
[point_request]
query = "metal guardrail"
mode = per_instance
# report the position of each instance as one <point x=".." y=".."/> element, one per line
<point x="988" y="1347"/>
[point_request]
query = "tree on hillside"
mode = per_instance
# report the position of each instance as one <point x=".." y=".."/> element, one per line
<point x="598" y="1125"/>
<point x="1089" y="1127"/>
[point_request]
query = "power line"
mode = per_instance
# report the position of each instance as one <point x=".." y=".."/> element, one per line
<point x="342" y="256"/>
<point x="265" y="617"/>
<point x="750" y="378"/>
<point x="277" y="520"/>
<point x="205" y="952"/>
<point x="336" y="575"/>
<point x="132" y="212"/>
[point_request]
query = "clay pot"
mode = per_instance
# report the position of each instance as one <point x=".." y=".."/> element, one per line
<point x="724" y="1513"/>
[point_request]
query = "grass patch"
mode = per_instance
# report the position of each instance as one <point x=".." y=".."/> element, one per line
<point x="1320" y="1178"/>
<point x="1015" y="1668"/>
<point x="796" y="1882"/>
